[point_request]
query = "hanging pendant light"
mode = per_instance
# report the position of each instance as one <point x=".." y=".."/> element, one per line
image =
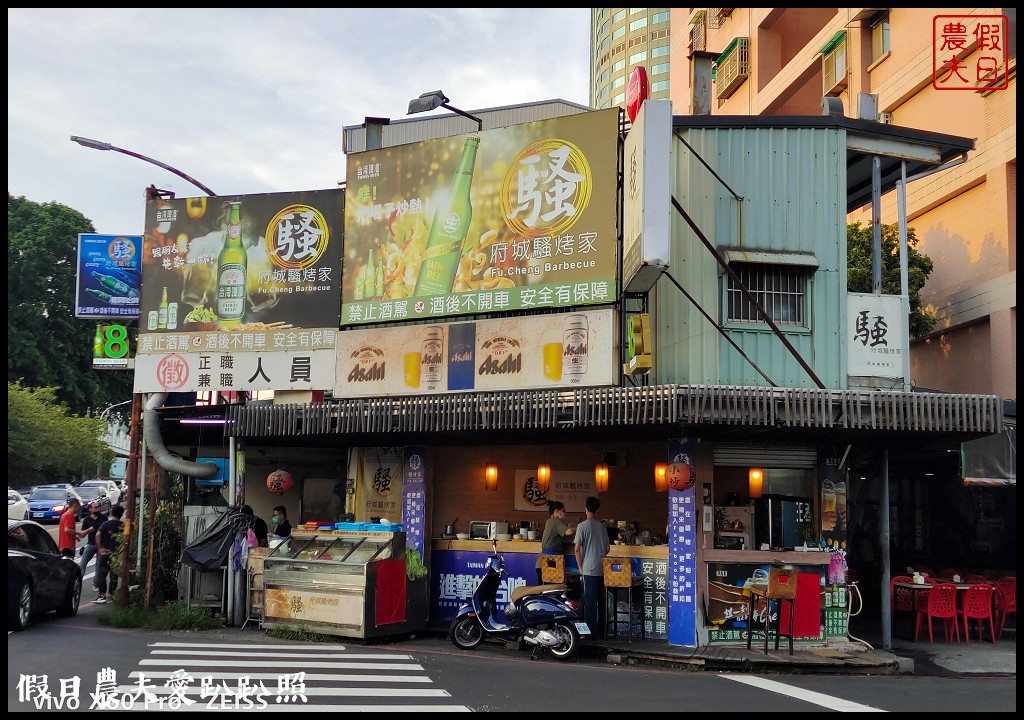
<point x="543" y="477"/>
<point x="601" y="477"/>
<point x="755" y="482"/>
<point x="491" y="477"/>
<point x="660" y="477"/>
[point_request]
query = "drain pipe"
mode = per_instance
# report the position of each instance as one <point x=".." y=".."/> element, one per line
<point x="155" y="444"/>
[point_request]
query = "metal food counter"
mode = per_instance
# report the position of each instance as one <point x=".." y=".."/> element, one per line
<point x="346" y="583"/>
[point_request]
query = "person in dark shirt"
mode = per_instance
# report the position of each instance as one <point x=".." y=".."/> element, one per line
<point x="90" y="524"/>
<point x="259" y="526"/>
<point x="282" y="528"/>
<point x="107" y="544"/>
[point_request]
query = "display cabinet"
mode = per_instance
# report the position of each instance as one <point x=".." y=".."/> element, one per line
<point x="344" y="583"/>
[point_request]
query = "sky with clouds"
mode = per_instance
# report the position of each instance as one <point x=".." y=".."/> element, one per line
<point x="251" y="101"/>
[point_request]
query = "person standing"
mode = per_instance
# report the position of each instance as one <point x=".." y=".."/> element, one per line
<point x="67" y="529"/>
<point x="591" y="548"/>
<point x="107" y="544"/>
<point x="555" y="530"/>
<point x="90" y="524"/>
<point x="282" y="528"/>
<point x="258" y="525"/>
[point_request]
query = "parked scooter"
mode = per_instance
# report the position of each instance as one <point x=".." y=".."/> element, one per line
<point x="544" y="616"/>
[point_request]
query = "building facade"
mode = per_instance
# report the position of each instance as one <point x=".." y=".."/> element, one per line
<point x="877" y="63"/>
<point x="622" y="39"/>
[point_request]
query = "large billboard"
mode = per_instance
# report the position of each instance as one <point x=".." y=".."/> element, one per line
<point x="512" y="353"/>
<point x="241" y="292"/>
<point x="108" y="276"/>
<point x="515" y="218"/>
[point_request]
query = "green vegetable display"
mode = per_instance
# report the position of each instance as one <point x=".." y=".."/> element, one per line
<point x="201" y="314"/>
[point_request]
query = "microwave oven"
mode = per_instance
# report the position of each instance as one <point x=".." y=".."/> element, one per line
<point x="486" y="530"/>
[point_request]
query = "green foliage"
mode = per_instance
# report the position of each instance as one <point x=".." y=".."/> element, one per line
<point x="859" y="253"/>
<point x="47" y="346"/>
<point x="414" y="567"/>
<point x="167" y="546"/>
<point x="44" y="440"/>
<point x="298" y="632"/>
<point x="172" y="616"/>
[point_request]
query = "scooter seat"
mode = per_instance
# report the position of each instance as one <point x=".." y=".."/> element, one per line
<point x="536" y="590"/>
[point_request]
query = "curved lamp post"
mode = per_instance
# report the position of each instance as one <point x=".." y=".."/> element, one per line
<point x="100" y="145"/>
<point x="432" y="100"/>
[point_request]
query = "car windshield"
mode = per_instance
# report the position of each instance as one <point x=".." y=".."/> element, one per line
<point x="87" y="492"/>
<point x="50" y="494"/>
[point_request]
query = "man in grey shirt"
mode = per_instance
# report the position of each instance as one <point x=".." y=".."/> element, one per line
<point x="591" y="547"/>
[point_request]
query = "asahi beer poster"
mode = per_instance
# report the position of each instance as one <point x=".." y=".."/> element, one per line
<point x="240" y="292"/>
<point x="514" y="218"/>
<point x="546" y="351"/>
<point x="109" y="276"/>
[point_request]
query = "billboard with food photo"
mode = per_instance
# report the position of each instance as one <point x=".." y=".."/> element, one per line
<point x="515" y="218"/>
<point x="266" y="267"/>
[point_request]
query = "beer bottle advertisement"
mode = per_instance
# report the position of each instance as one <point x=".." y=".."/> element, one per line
<point x="109" y="276"/>
<point x="504" y="219"/>
<point x="256" y="275"/>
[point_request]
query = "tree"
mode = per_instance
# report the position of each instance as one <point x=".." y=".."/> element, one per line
<point x="44" y="441"/>
<point x="859" y="252"/>
<point x="47" y="346"/>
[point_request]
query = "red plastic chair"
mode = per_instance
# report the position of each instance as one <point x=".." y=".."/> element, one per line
<point x="901" y="599"/>
<point x="941" y="606"/>
<point x="1006" y="600"/>
<point x="921" y="597"/>
<point x="977" y="605"/>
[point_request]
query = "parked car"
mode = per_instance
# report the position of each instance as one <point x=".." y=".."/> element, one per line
<point x="17" y="505"/>
<point x="88" y="493"/>
<point x="48" y="502"/>
<point x="111" y="488"/>
<point x="39" y="580"/>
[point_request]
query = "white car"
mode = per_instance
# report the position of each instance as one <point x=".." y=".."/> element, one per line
<point x="108" y="486"/>
<point x="17" y="505"/>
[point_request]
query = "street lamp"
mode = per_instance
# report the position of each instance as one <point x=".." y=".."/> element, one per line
<point x="100" y="145"/>
<point x="433" y="100"/>
<point x="103" y="416"/>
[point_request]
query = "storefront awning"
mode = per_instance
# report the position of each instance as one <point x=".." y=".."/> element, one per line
<point x="715" y="411"/>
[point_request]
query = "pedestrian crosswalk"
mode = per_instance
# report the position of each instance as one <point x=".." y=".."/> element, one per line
<point x="276" y="677"/>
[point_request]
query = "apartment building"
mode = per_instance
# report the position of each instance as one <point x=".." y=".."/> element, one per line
<point x="881" y="63"/>
<point x="620" y="40"/>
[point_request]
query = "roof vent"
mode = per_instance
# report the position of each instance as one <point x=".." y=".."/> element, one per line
<point x="831" y="105"/>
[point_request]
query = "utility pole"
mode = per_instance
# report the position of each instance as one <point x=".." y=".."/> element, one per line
<point x="132" y="479"/>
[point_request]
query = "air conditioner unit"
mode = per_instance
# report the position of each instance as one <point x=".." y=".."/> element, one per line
<point x="884" y="117"/>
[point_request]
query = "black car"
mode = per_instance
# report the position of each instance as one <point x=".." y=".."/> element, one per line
<point x="89" y="493"/>
<point x="38" y="578"/>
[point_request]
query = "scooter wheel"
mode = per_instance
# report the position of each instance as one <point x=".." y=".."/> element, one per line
<point x="466" y="633"/>
<point x="569" y="641"/>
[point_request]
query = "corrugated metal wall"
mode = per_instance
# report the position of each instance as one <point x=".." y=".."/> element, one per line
<point x="793" y="185"/>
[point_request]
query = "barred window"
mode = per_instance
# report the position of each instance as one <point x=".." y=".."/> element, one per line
<point x="780" y="289"/>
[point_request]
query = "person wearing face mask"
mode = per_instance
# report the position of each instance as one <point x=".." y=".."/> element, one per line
<point x="281" y="526"/>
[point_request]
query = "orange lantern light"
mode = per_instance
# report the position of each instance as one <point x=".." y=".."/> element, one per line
<point x="601" y="477"/>
<point x="491" y="477"/>
<point x="544" y="477"/>
<point x="660" y="479"/>
<point x="755" y="482"/>
<point x="280" y="481"/>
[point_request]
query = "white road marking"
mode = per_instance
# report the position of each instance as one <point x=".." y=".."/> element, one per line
<point x="816" y="698"/>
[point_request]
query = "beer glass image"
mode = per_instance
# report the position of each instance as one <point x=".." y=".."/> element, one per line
<point x="411" y="363"/>
<point x="828" y="506"/>
<point x="553" y="361"/>
<point x="841" y="505"/>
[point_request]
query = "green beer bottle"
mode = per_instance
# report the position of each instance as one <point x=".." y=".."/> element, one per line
<point x="97" y="343"/>
<point x="378" y="283"/>
<point x="370" y="278"/>
<point x="99" y="295"/>
<point x="448" y="229"/>
<point x="116" y="286"/>
<point x="231" y="270"/>
<point x="162" y="311"/>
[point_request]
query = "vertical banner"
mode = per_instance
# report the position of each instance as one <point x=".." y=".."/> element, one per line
<point x="414" y="505"/>
<point x="682" y="542"/>
<point x="834" y="513"/>
<point x="382" y="484"/>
